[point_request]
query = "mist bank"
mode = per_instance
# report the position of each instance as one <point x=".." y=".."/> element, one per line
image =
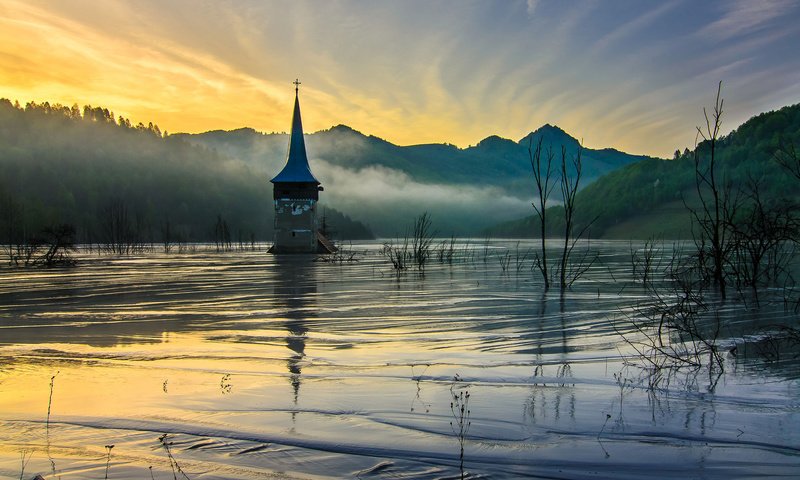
<point x="84" y="167"/>
<point x="385" y="185"/>
<point x="494" y="161"/>
<point x="70" y="165"/>
<point x="390" y="199"/>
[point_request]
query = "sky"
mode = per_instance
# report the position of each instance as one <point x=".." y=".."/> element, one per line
<point x="632" y="75"/>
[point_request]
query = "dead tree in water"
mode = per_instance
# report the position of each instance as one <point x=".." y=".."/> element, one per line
<point x="417" y="253"/>
<point x="569" y="191"/>
<point x="166" y="235"/>
<point x="222" y="235"/>
<point x="60" y="242"/>
<point x="421" y="240"/>
<point x="116" y="228"/>
<point x="759" y="238"/>
<point x="718" y="203"/>
<point x="542" y="175"/>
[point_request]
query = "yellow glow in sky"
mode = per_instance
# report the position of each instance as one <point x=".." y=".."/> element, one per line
<point x="409" y="72"/>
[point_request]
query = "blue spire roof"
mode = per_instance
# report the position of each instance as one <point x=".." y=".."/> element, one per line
<point x="296" y="169"/>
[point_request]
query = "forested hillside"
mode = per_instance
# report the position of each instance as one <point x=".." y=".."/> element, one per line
<point x="84" y="166"/>
<point x="493" y="162"/>
<point x="647" y="198"/>
<point x="386" y="185"/>
<point x="71" y="165"/>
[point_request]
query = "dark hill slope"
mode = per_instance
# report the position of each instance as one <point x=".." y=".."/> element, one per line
<point x="646" y="198"/>
<point x="64" y="165"/>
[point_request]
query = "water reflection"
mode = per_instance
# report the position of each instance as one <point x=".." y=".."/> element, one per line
<point x="544" y="328"/>
<point x="263" y="318"/>
<point x="295" y="291"/>
<point x="110" y="302"/>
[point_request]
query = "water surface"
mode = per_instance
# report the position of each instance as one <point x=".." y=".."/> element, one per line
<point x="269" y="366"/>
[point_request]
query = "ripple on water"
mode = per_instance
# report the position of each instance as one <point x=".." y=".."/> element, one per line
<point x="258" y="365"/>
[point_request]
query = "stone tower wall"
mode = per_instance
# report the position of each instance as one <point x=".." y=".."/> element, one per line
<point x="295" y="226"/>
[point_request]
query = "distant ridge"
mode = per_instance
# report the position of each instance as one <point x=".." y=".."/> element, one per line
<point x="64" y="164"/>
<point x="495" y="160"/>
<point x="489" y="181"/>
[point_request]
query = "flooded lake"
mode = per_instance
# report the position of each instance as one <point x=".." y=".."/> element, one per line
<point x="260" y="366"/>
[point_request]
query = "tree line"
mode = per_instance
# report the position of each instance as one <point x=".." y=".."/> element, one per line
<point x="124" y="184"/>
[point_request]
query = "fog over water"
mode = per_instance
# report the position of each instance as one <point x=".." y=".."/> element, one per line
<point x="259" y="365"/>
<point x="374" y="191"/>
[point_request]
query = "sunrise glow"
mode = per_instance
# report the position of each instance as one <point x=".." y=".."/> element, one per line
<point x="629" y="77"/>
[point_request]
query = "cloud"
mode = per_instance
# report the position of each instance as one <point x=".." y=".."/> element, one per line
<point x="177" y="87"/>
<point x="531" y="6"/>
<point x="630" y="28"/>
<point x="410" y="72"/>
<point x="747" y="16"/>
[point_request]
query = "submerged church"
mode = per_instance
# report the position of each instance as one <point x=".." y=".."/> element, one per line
<point x="295" y="192"/>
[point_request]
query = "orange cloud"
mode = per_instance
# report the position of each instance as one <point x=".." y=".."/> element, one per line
<point x="630" y="78"/>
<point x="47" y="57"/>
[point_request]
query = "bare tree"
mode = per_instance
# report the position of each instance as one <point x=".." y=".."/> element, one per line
<point x="717" y="200"/>
<point x="166" y="235"/>
<point x="219" y="234"/>
<point x="674" y="328"/>
<point x="60" y="243"/>
<point x="116" y="228"/>
<point x="645" y="262"/>
<point x="542" y="175"/>
<point x="413" y="249"/>
<point x="569" y="273"/>
<point x="222" y="235"/>
<point x="421" y="240"/>
<point x="759" y="235"/>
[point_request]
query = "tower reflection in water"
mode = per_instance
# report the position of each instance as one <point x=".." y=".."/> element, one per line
<point x="295" y="291"/>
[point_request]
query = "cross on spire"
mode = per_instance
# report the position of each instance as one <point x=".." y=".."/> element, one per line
<point x="296" y="85"/>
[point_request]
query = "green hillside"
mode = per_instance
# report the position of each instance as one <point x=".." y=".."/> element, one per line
<point x="647" y="198"/>
<point x="494" y="161"/>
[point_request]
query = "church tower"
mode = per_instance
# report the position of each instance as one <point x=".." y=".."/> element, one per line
<point x="295" y="194"/>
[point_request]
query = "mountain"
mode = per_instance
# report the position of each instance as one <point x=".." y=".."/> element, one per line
<point x="65" y="164"/>
<point x="493" y="161"/>
<point x="550" y="135"/>
<point x="464" y="189"/>
<point x="648" y="198"/>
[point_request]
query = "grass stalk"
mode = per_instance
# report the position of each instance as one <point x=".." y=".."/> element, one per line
<point x="50" y="402"/>
<point x="173" y="462"/>
<point x="108" y="459"/>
